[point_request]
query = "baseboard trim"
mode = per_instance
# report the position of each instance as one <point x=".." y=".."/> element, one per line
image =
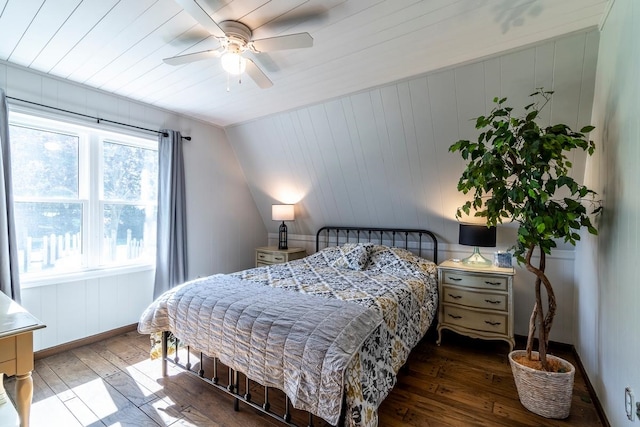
<point x="592" y="392"/>
<point x="84" y="341"/>
<point x="521" y="339"/>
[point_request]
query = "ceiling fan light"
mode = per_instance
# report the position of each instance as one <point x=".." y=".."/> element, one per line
<point x="233" y="63"/>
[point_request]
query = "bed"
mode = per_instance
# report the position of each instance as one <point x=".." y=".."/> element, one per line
<point x="330" y="330"/>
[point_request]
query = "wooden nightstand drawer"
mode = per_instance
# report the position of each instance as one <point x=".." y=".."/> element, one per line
<point x="475" y="280"/>
<point x="480" y="321"/>
<point x="268" y="255"/>
<point x="452" y="294"/>
<point x="264" y="256"/>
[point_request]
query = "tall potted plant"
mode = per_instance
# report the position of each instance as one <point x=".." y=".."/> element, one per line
<point x="518" y="171"/>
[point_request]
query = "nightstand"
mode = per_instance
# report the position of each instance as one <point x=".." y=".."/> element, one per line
<point x="268" y="255"/>
<point x="476" y="302"/>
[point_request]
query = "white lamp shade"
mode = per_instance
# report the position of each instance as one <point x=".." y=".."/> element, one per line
<point x="282" y="213"/>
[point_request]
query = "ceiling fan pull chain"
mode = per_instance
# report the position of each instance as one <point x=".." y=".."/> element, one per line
<point x="228" y="80"/>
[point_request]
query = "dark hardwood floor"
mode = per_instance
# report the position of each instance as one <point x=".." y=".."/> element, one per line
<point x="464" y="382"/>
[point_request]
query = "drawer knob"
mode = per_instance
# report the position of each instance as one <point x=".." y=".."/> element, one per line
<point x="455" y="317"/>
<point x="492" y="301"/>
<point x="492" y="283"/>
<point x="455" y="296"/>
<point x="278" y="258"/>
<point x="457" y="279"/>
<point x="488" y="322"/>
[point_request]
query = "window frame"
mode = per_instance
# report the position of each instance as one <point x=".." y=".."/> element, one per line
<point x="90" y="192"/>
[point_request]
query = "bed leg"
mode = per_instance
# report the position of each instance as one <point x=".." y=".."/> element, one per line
<point x="201" y="371"/>
<point x="266" y="405"/>
<point x="176" y="358"/>
<point x="165" y="338"/>
<point x="230" y="383"/>
<point x="236" y="389"/>
<point x="233" y="388"/>
<point x="247" y="393"/>
<point x="188" y="365"/>
<point x="287" y="414"/>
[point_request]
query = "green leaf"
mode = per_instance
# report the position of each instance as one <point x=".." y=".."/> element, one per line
<point x="515" y="169"/>
<point x="587" y="129"/>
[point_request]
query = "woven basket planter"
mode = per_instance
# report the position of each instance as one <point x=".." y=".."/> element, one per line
<point x="547" y="394"/>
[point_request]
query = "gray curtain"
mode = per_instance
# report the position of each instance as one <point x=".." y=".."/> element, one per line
<point x="171" y="255"/>
<point x="9" y="268"/>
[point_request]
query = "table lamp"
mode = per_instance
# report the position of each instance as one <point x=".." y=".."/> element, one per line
<point x="282" y="213"/>
<point x="477" y="235"/>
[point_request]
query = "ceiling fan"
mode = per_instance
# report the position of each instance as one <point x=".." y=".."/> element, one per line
<point x="235" y="39"/>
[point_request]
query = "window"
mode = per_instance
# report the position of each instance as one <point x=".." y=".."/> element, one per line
<point x="84" y="198"/>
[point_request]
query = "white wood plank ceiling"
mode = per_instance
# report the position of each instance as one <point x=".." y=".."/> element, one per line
<point x="118" y="45"/>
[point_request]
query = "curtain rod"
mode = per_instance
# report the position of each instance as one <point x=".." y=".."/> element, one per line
<point x="97" y="119"/>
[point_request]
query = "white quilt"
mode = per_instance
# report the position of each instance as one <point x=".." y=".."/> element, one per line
<point x="298" y="343"/>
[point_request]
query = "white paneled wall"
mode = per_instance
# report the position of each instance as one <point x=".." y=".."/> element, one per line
<point x="380" y="157"/>
<point x="223" y="224"/>
<point x="78" y="309"/>
<point x="608" y="302"/>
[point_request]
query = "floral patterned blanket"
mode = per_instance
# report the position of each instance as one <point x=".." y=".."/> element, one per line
<point x="397" y="285"/>
<point x="396" y="282"/>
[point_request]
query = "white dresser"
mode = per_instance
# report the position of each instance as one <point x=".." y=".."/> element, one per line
<point x="476" y="302"/>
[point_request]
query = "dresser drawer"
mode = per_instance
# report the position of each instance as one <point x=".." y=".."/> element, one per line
<point x="269" y="255"/>
<point x="474" y="280"/>
<point x="7" y="349"/>
<point x="452" y="294"/>
<point x="480" y="321"/>
<point x="265" y="256"/>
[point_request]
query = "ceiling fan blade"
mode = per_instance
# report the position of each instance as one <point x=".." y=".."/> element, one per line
<point x="200" y="15"/>
<point x="291" y="41"/>
<point x="257" y="75"/>
<point x="192" y="57"/>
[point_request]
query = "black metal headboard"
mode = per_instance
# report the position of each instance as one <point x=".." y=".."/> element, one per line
<point x="412" y="238"/>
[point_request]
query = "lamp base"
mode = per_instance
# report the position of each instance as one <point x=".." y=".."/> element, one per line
<point x="477" y="260"/>
<point x="282" y="236"/>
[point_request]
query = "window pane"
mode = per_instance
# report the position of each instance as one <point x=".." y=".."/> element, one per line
<point x="130" y="173"/>
<point x="129" y="233"/>
<point x="49" y="236"/>
<point x="44" y="163"/>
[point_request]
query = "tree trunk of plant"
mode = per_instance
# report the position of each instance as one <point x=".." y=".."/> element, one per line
<point x="539" y="321"/>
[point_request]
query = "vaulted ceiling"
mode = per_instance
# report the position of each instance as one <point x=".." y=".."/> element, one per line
<point x="118" y="45"/>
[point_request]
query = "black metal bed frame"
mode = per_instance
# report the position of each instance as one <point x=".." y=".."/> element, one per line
<point x="232" y="386"/>
<point x="380" y="235"/>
